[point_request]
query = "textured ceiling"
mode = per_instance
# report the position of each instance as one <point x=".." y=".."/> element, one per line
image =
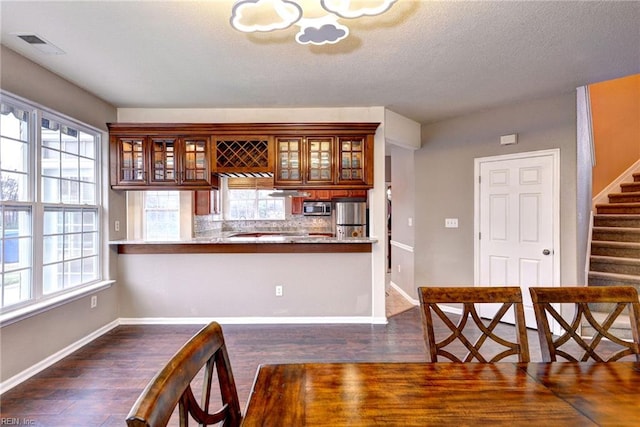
<point x="426" y="60"/>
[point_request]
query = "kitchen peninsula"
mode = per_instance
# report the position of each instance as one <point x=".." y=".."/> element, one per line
<point x="247" y="278"/>
<point x="248" y="243"/>
<point x="234" y="279"/>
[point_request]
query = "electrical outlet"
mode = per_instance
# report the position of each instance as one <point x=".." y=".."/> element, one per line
<point x="399" y="269"/>
<point x="279" y="290"/>
<point x="94" y="301"/>
<point x="116" y="225"/>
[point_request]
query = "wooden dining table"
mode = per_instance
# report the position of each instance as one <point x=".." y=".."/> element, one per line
<point x="440" y="394"/>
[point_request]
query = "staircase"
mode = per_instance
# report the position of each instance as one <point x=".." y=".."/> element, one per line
<point x="615" y="243"/>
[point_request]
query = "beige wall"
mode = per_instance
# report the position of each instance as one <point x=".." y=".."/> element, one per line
<point x="403" y="211"/>
<point x="444" y="182"/>
<point x="241" y="287"/>
<point x="30" y="341"/>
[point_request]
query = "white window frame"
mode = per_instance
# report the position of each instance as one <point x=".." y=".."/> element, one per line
<point x="38" y="300"/>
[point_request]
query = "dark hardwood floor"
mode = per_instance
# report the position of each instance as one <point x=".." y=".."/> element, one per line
<point x="96" y="385"/>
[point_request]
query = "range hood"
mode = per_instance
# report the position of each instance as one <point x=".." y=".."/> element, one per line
<point x="289" y="193"/>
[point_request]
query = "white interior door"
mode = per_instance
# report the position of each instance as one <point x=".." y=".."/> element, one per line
<point x="517" y="221"/>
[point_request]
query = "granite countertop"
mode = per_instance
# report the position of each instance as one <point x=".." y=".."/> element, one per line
<point x="252" y="237"/>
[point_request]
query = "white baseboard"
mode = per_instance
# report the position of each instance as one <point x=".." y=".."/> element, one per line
<point x="404" y="294"/>
<point x="251" y="320"/>
<point x="445" y="308"/>
<point x="56" y="357"/>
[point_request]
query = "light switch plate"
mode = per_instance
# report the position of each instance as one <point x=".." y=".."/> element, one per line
<point x="451" y="222"/>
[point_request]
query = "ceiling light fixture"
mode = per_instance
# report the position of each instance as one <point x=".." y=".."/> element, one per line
<point x="318" y="26"/>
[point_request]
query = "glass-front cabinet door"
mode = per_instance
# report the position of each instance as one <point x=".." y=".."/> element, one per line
<point x="195" y="161"/>
<point x="320" y="160"/>
<point x="131" y="165"/>
<point x="352" y="160"/>
<point x="288" y="160"/>
<point x="163" y="161"/>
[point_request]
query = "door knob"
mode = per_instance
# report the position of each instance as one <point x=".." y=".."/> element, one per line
<point x="546" y="252"/>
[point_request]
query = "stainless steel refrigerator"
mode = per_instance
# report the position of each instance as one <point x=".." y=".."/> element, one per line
<point x="350" y="218"/>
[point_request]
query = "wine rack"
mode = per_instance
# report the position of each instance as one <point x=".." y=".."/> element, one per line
<point x="245" y="155"/>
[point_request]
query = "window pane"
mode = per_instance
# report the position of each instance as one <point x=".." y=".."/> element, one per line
<point x="70" y="167"/>
<point x="16" y="287"/>
<point x="90" y="269"/>
<point x="70" y="238"/>
<point x="161" y="215"/>
<point x="73" y="273"/>
<point x="53" y="221"/>
<point x="254" y="204"/>
<point x="87" y="145"/>
<point x="53" y="279"/>
<point x="87" y="170"/>
<point x="69" y="139"/>
<point x="87" y="194"/>
<point x="162" y="225"/>
<point x="89" y="221"/>
<point x="53" y="249"/>
<point x="14" y="155"/>
<point x="14" y="186"/>
<point x="73" y="246"/>
<point x="70" y="192"/>
<point x="50" y="190"/>
<point x="50" y="134"/>
<point x="50" y="162"/>
<point x="73" y="221"/>
<point x="89" y="244"/>
<point x="15" y="254"/>
<point x="14" y="122"/>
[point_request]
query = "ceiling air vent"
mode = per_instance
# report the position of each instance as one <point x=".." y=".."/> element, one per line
<point x="41" y="44"/>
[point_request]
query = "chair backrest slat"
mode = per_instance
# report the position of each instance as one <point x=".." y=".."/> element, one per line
<point x="171" y="387"/>
<point x="621" y="298"/>
<point x="510" y="298"/>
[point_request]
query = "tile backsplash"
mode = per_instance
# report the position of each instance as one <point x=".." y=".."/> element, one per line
<point x="212" y="225"/>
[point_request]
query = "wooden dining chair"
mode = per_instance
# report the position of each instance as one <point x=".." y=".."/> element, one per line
<point x="619" y="297"/>
<point x="171" y="387"/>
<point x="461" y="330"/>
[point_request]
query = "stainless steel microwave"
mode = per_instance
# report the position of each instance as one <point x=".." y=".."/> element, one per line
<point x="316" y="208"/>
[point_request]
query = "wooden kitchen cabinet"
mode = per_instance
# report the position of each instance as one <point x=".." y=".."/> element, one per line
<point x="296" y="205"/>
<point x="194" y="162"/>
<point x="324" y="162"/>
<point x="324" y="195"/>
<point x="157" y="162"/>
<point x="128" y="161"/>
<point x="289" y="165"/>
<point x="319" y="156"/>
<point x="310" y="156"/>
<point x="355" y="162"/>
<point x="164" y="165"/>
